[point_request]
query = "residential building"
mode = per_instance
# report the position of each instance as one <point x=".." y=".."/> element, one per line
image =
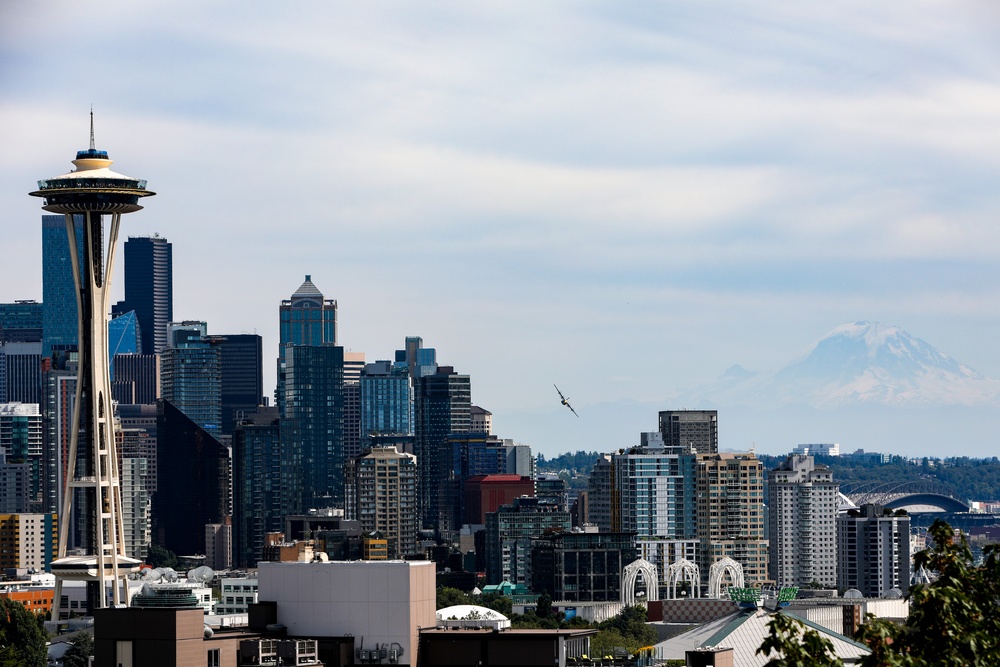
<point x="381" y="494"/>
<point x="137" y="503"/>
<point x="873" y="551"/>
<point x="138" y="437"/>
<point x="149" y="289"/>
<point x="691" y="428"/>
<point x="15" y="486"/>
<point x="59" y="397"/>
<point x="600" y="494"/>
<point x="509" y="533"/>
<point x="730" y="514"/>
<point x="802" y="520"/>
<point x="481" y="420"/>
<point x="551" y="485"/>
<point x="191" y="374"/>
<point x="219" y="544"/>
<point x="30" y="541"/>
<point x="21" y="441"/>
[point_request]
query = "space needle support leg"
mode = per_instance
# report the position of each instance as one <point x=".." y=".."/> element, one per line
<point x="65" y="520"/>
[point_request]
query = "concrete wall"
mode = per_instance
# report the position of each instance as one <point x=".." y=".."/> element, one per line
<point x="379" y="602"/>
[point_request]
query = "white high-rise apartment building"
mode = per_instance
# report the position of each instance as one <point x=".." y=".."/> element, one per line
<point x="802" y="518"/>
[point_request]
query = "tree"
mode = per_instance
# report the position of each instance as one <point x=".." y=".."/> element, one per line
<point x="497" y="602"/>
<point x="80" y="650"/>
<point x="953" y="620"/>
<point x="22" y="640"/>
<point x="451" y="597"/>
<point x="161" y="556"/>
<point x="796" y="648"/>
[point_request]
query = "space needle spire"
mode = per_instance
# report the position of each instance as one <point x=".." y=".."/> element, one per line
<point x="91" y="488"/>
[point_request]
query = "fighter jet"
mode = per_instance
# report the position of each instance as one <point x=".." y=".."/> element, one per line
<point x="565" y="401"/>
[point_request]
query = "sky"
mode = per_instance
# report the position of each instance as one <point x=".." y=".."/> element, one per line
<point x="623" y="199"/>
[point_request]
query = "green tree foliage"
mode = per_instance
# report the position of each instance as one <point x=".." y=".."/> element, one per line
<point x="451" y="597"/>
<point x="797" y="647"/>
<point x="580" y="461"/>
<point x="628" y="630"/>
<point x="22" y="640"/>
<point x="496" y="602"/>
<point x="82" y="647"/>
<point x="953" y="621"/>
<point x="158" y="556"/>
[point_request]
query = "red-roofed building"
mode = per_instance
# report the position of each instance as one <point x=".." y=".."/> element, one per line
<point x="486" y="493"/>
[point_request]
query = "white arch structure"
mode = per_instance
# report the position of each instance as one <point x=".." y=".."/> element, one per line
<point x="681" y="571"/>
<point x="630" y="576"/>
<point x="717" y="573"/>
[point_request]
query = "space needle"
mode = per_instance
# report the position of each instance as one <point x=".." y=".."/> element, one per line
<point x="94" y="192"/>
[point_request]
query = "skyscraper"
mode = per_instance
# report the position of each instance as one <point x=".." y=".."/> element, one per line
<point x="91" y="192"/>
<point x="305" y="319"/>
<point x="20" y="372"/>
<point x="21" y="440"/>
<point x="314" y="395"/>
<point x="242" y="377"/>
<point x="267" y="481"/>
<point x="802" y="522"/>
<point x="442" y="401"/>
<point x="191" y="374"/>
<point x="59" y="313"/>
<point x="354" y="364"/>
<point x="149" y="288"/>
<point x="691" y="428"/>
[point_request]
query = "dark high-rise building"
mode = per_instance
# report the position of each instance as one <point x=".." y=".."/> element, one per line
<point x="314" y="395"/>
<point x="442" y="406"/>
<point x="691" y="428"/>
<point x="21" y="372"/>
<point x="193" y="482"/>
<point x="149" y="288"/>
<point x="509" y="534"/>
<point x="137" y="378"/>
<point x="242" y="377"/>
<point x="59" y="311"/>
<point x="267" y="479"/>
<point x="20" y="322"/>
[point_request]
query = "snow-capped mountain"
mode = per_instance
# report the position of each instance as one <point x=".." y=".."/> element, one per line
<point x="860" y="363"/>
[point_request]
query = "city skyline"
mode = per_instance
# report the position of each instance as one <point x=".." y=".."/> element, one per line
<point x="678" y="189"/>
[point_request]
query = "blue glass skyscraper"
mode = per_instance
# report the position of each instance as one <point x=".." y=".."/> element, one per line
<point x="191" y="374"/>
<point x="305" y="319"/>
<point x="59" y="312"/>
<point x="386" y="401"/>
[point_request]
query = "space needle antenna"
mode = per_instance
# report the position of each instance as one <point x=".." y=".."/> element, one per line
<point x="92" y="145"/>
